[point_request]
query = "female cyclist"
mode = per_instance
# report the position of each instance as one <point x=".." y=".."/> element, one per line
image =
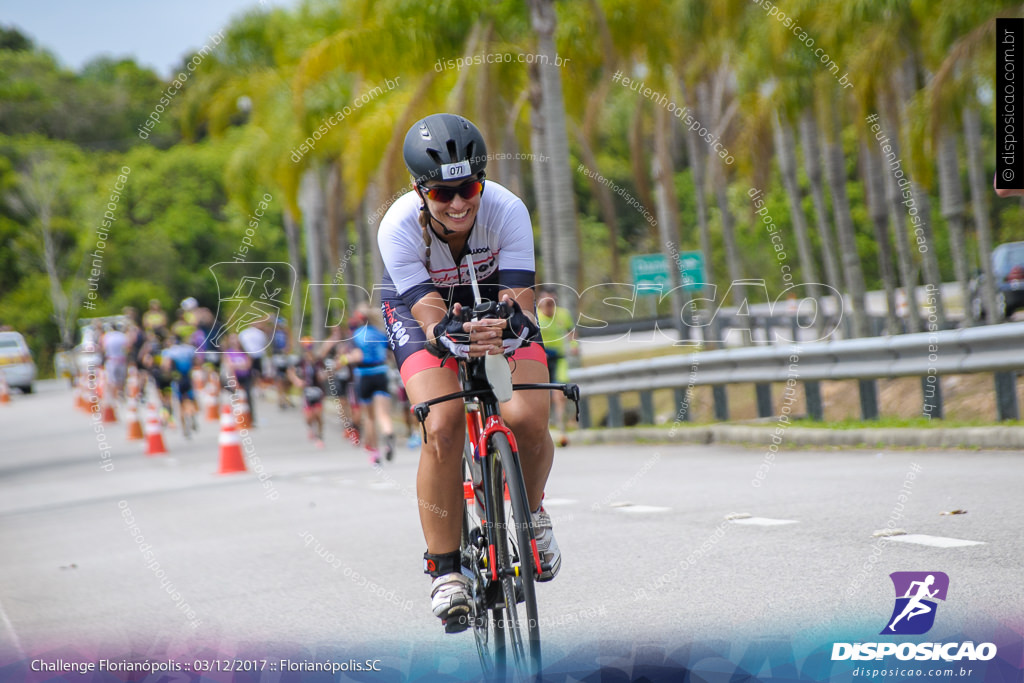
<point x="427" y="240"/>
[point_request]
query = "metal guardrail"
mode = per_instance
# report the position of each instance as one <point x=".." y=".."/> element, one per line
<point x="996" y="348"/>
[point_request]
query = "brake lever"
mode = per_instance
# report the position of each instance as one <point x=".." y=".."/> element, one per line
<point x="572" y="393"/>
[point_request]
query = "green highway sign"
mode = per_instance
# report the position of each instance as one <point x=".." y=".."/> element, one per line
<point x="691" y="268"/>
<point x="651" y="275"/>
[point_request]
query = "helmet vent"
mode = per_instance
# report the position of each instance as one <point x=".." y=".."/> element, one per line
<point x="453" y="151"/>
<point x="435" y="155"/>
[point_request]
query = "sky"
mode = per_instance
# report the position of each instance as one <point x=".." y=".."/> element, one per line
<point x="157" y="33"/>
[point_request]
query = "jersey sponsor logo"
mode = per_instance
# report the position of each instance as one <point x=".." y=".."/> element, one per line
<point x="447" y="277"/>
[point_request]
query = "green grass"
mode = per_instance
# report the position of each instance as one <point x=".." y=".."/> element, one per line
<point x="904" y="422"/>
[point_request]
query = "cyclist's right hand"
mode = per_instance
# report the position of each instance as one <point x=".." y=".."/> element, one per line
<point x="464" y="338"/>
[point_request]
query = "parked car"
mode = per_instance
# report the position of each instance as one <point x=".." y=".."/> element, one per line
<point x="1008" y="272"/>
<point x="16" y="361"/>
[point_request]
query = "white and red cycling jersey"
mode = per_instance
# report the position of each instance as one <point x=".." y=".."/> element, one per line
<point x="500" y="244"/>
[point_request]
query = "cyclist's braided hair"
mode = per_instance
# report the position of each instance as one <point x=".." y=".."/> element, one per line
<point x="425" y="225"/>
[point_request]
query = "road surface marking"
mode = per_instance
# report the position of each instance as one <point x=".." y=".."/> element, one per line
<point x="763" y="521"/>
<point x="640" y="509"/>
<point x="933" y="541"/>
<point x="555" y="502"/>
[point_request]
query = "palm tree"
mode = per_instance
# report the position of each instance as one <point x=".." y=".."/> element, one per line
<point x="835" y="171"/>
<point x="952" y="203"/>
<point x="874" y="181"/>
<point x="809" y="136"/>
<point x="563" y="204"/>
<point x="980" y="202"/>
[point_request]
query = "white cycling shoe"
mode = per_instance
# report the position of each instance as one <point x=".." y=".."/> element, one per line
<point x="547" y="546"/>
<point x="450" y="597"/>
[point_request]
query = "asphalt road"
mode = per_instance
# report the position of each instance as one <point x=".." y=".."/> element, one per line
<point x="324" y="554"/>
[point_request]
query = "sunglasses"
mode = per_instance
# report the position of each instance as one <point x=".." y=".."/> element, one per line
<point x="446" y="194"/>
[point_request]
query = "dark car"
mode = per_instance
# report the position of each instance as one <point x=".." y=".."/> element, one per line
<point x="1008" y="272"/>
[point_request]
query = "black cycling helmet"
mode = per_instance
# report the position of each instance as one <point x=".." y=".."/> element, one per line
<point x="444" y="147"/>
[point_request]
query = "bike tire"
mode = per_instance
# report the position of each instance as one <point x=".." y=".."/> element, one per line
<point x="513" y="546"/>
<point x="471" y="557"/>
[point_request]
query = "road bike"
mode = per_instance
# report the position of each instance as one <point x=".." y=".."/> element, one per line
<point x="498" y="544"/>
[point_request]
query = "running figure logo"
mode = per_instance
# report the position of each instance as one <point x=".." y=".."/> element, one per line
<point x="259" y="292"/>
<point x="916" y="593"/>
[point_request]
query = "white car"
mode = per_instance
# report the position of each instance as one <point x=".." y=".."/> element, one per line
<point x="16" y="361"/>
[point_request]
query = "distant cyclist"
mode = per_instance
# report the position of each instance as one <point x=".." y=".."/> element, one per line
<point x="115" y="345"/>
<point x="279" y="362"/>
<point x="310" y="376"/>
<point x="336" y="356"/>
<point x="426" y="239"/>
<point x="236" y="366"/>
<point x="369" y="358"/>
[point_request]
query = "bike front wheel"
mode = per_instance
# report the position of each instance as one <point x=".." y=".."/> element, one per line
<point x="514" y="543"/>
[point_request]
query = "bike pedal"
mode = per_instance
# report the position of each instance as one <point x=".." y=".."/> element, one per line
<point x="457" y="624"/>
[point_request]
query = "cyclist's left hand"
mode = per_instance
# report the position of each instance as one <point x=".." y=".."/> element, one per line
<point x="520" y="326"/>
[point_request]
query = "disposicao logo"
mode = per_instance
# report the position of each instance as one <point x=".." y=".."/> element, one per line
<point x="914" y="614"/>
<point x="916" y="593"/>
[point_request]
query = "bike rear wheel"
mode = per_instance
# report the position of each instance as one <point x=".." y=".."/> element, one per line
<point x="513" y="540"/>
<point x="473" y="548"/>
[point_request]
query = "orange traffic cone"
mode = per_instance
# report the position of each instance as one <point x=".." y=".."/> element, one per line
<point x="134" y="426"/>
<point x="231" y="459"/>
<point x="154" y="437"/>
<point x="109" y="414"/>
<point x="245" y="412"/>
<point x="5" y="391"/>
<point x="212" y="395"/>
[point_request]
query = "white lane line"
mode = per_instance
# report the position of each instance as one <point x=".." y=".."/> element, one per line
<point x="641" y="509"/>
<point x="933" y="541"/>
<point x="555" y="502"/>
<point x="763" y="521"/>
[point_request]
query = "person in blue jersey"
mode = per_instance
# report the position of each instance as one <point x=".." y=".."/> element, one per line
<point x="454" y="219"/>
<point x="369" y="361"/>
<point x="178" y="359"/>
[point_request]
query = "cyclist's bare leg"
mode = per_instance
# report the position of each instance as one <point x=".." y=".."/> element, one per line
<point x="318" y="420"/>
<point x="368" y="434"/>
<point x="382" y="408"/>
<point x="527" y="416"/>
<point x="439" y="478"/>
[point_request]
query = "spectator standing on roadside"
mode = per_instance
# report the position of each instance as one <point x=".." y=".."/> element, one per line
<point x="154" y="319"/>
